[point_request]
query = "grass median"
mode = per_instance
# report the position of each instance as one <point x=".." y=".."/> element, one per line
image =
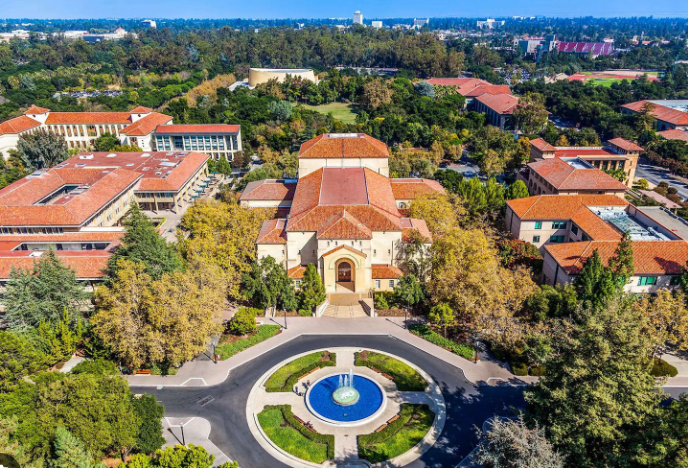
<point x="231" y="345"/>
<point x="284" y="378"/>
<point x="406" y="378"/>
<point x="424" y="331"/>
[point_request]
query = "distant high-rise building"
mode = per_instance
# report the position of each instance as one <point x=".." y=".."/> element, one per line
<point x="421" y="23"/>
<point x="149" y="24"/>
<point x="358" y="17"/>
<point x="376" y="24"/>
<point x="490" y="23"/>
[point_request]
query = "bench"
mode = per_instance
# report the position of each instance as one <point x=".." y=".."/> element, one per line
<point x="308" y="373"/>
<point x="388" y="377"/>
<point x="393" y="419"/>
<point x="311" y="429"/>
<point x="379" y="429"/>
<point x="143" y="371"/>
<point x="299" y="419"/>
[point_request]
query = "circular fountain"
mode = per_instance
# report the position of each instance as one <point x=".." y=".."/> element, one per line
<point x="346" y="399"/>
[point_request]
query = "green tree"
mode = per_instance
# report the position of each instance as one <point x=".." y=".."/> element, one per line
<point x="191" y="456"/>
<point x="312" y="292"/>
<point x="42" y="149"/>
<point x="150" y="413"/>
<point x="43" y="294"/>
<point x="443" y="316"/>
<point x="512" y="444"/>
<point x="268" y="285"/>
<point x="621" y="264"/>
<point x="97" y="366"/>
<point x="595" y="284"/>
<point x="531" y="114"/>
<point x="280" y="111"/>
<point x="143" y="244"/>
<point x="517" y="190"/>
<point x="597" y="392"/>
<point x="69" y="452"/>
<point x="409" y="291"/>
<point x="18" y="359"/>
<point x="106" y="142"/>
<point x="425" y="89"/>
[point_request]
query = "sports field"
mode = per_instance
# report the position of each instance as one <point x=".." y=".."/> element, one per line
<point x="340" y="111"/>
<point x="609" y="77"/>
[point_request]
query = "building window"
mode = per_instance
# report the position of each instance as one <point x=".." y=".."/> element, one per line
<point x="556" y="239"/>
<point x="647" y="280"/>
<point x="574" y="229"/>
<point x="377" y="284"/>
<point x="559" y="225"/>
<point x="391" y="283"/>
<point x="297" y="283"/>
<point x="538" y="224"/>
<point x="675" y="281"/>
<point x="374" y="252"/>
<point x="536" y="239"/>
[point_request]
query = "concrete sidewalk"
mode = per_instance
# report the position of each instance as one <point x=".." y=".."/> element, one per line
<point x="201" y="372"/>
<point x="196" y="431"/>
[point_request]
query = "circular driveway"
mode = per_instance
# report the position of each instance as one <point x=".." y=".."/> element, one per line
<point x="224" y="405"/>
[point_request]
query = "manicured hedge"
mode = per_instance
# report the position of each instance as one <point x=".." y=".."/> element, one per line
<point x="286" y="432"/>
<point x="404" y="376"/>
<point x="227" y="350"/>
<point x="400" y="436"/>
<point x="661" y="368"/>
<point x="284" y="378"/>
<point x="462" y="349"/>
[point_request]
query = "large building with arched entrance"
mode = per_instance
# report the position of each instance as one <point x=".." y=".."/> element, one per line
<point x="343" y="214"/>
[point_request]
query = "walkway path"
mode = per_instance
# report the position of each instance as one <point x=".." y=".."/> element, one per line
<point x="196" y="431"/>
<point x="202" y="372"/>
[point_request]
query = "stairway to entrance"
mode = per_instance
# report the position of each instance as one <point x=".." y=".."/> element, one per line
<point x="345" y="305"/>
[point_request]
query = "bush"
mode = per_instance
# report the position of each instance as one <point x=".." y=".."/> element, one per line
<point x="519" y="369"/>
<point x="406" y="378"/>
<point x="95" y="366"/>
<point x="536" y="371"/>
<point x="661" y="368"/>
<point x="381" y="301"/>
<point x="305" y="313"/>
<point x="461" y="349"/>
<point x="227" y="350"/>
<point x="244" y="321"/>
<point x="286" y="432"/>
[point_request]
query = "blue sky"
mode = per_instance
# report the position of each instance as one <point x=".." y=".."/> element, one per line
<point x="330" y="9"/>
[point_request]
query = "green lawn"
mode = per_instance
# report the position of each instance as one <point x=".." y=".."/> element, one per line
<point x="423" y="330"/>
<point x="340" y="111"/>
<point x="405" y="377"/>
<point x="284" y="378"/>
<point x="229" y="349"/>
<point x="279" y="425"/>
<point x="399" y="437"/>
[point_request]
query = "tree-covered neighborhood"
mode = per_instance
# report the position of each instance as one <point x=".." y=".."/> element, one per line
<point x="447" y="242"/>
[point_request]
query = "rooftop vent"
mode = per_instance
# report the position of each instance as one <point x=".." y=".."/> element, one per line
<point x="111" y="155"/>
<point x="145" y="155"/>
<point x="86" y="156"/>
<point x="130" y="164"/>
<point x="35" y="253"/>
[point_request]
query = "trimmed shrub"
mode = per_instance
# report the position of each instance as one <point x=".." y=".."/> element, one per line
<point x="381" y="301"/>
<point x="661" y="368"/>
<point x="284" y="378"/>
<point x="243" y="322"/>
<point x="406" y="378"/>
<point x="305" y="313"/>
<point x="227" y="350"/>
<point x="536" y="371"/>
<point x="275" y="419"/>
<point x="519" y="369"/>
<point x="461" y="349"/>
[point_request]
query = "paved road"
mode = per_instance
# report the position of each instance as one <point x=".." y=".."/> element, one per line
<point x="656" y="174"/>
<point x="468" y="405"/>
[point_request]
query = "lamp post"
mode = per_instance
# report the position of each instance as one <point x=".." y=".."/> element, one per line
<point x="285" y="318"/>
<point x="181" y="426"/>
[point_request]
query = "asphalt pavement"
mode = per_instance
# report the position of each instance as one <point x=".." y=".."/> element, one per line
<point x="656" y="174"/>
<point x="224" y="405"/>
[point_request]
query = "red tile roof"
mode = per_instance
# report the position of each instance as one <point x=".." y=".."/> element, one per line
<point x="141" y="110"/>
<point x="162" y="172"/>
<point x="408" y="189"/>
<point x="18" y="200"/>
<point x="470" y="87"/>
<point x="297" y="272"/>
<point x="563" y="176"/>
<point x="500" y="103"/>
<point x="386" y="272"/>
<point x="488" y="89"/>
<point x="344" y="226"/>
<point x="343" y="145"/>
<point x="660" y="112"/>
<point x="559" y="207"/>
<point x="625" y="144"/>
<point x="269" y="189"/>
<point x="146" y="125"/>
<point x="542" y="145"/>
<point x="674" y="134"/>
<point x="649" y="257"/>
<point x="88" y="265"/>
<point x="198" y="129"/>
<point x="586" y="152"/>
<point x="18" y="125"/>
<point x="272" y="232"/>
<point x="410" y="225"/>
<point x="93" y="118"/>
<point x="345" y="247"/>
<point x="36" y="110"/>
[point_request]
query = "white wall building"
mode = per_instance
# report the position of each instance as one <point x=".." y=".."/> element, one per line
<point x="358" y="17"/>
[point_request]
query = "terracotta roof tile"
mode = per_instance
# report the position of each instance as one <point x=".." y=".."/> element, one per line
<point x="558" y="207"/>
<point x="408" y="189"/>
<point x="500" y="103"/>
<point x="94" y="118"/>
<point x="272" y="232"/>
<point x="386" y="272"/>
<point x="542" y="145"/>
<point x="587" y="152"/>
<point x="564" y="176"/>
<point x="660" y="112"/>
<point x="198" y="129"/>
<point x="88" y="265"/>
<point x="410" y="225"/>
<point x="649" y="257"/>
<point x="625" y="144"/>
<point x="146" y="125"/>
<point x="674" y="134"/>
<point x="36" y="110"/>
<point x="269" y="189"/>
<point x="18" y="125"/>
<point x="344" y="226"/>
<point x="488" y="89"/>
<point x="348" y="145"/>
<point x="141" y="110"/>
<point x="297" y="272"/>
<point x="345" y="247"/>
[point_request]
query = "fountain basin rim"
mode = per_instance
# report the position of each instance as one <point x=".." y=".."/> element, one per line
<point x="358" y="422"/>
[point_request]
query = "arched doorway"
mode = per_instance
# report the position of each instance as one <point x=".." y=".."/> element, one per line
<point x="345" y="272"/>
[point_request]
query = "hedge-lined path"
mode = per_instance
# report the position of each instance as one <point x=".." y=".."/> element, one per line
<point x="224" y="405"/>
<point x="203" y="372"/>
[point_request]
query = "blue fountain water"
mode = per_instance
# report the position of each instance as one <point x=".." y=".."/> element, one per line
<point x="321" y="401"/>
